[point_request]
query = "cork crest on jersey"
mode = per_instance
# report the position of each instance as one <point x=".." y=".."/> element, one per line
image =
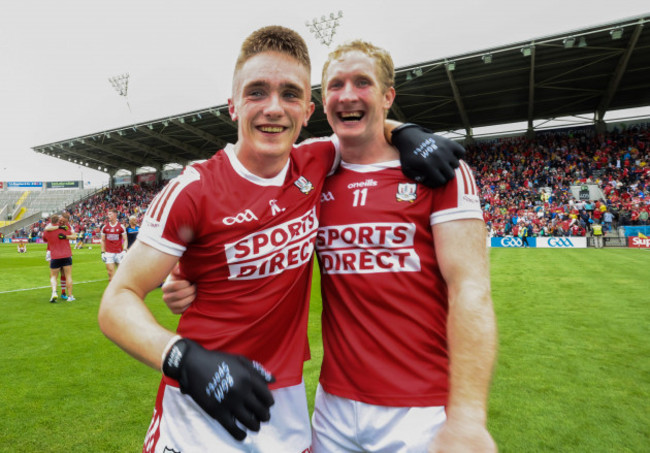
<point x="406" y="191"/>
<point x="304" y="185"/>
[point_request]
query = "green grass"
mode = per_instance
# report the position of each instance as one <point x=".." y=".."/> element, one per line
<point x="572" y="372"/>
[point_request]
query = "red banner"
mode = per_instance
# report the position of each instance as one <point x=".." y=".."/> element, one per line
<point x="636" y="241"/>
<point x="146" y="177"/>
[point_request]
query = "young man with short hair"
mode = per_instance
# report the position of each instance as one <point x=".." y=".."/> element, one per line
<point x="113" y="242"/>
<point x="408" y="326"/>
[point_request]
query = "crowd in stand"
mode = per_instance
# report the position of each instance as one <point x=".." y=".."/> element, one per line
<point x="89" y="215"/>
<point x="524" y="184"/>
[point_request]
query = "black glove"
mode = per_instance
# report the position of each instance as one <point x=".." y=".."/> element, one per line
<point x="427" y="158"/>
<point x="63" y="227"/>
<point x="62" y="236"/>
<point x="228" y="387"/>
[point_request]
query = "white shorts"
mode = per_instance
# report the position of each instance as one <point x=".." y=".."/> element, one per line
<point x="344" y="425"/>
<point x="180" y="425"/>
<point x="110" y="258"/>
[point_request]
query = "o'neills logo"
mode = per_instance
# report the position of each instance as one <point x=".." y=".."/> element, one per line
<point x="367" y="248"/>
<point x="272" y="251"/>
<point x="367" y="183"/>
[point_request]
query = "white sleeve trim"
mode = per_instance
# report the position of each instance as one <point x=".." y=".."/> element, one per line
<point x="449" y="215"/>
<point x="162" y="244"/>
<point x="337" y="154"/>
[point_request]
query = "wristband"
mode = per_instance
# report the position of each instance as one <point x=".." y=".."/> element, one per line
<point x="168" y="347"/>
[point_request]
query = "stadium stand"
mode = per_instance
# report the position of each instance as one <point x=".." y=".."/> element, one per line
<point x="8" y="203"/>
<point x="522" y="181"/>
<point x="89" y="214"/>
<point x="22" y="208"/>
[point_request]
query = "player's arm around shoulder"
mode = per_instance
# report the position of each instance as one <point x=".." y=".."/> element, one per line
<point x="123" y="316"/>
<point x="462" y="255"/>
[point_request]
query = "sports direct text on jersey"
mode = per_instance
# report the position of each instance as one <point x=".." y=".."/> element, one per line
<point x="271" y="251"/>
<point x="367" y="248"/>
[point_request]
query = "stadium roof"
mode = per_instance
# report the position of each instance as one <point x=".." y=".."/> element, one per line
<point x="588" y="71"/>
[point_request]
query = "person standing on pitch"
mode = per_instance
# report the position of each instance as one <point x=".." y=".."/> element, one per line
<point x="132" y="231"/>
<point x="243" y="225"/>
<point x="113" y="242"/>
<point x="58" y="241"/>
<point x="597" y="233"/>
<point x="62" y="225"/>
<point x="409" y="332"/>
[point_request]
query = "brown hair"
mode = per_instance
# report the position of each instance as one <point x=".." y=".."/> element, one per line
<point x="274" y="38"/>
<point x="383" y="61"/>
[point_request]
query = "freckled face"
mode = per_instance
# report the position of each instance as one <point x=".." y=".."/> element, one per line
<point x="271" y="102"/>
<point x="354" y="101"/>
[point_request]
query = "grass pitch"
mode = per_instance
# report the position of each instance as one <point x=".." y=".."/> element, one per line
<point x="572" y="373"/>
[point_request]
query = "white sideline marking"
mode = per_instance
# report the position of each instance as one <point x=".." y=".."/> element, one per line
<point x="48" y="286"/>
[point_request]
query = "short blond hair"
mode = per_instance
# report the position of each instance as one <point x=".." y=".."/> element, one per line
<point x="383" y="62"/>
<point x="274" y="38"/>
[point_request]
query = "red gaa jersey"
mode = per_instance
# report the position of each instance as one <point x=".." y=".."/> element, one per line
<point x="384" y="299"/>
<point x="59" y="248"/>
<point x="113" y="235"/>
<point x="247" y="243"/>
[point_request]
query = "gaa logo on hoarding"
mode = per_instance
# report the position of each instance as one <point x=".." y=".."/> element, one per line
<point x="560" y="242"/>
<point x="511" y="242"/>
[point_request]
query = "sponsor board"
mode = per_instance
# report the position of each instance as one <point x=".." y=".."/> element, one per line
<point x="62" y="185"/>
<point x="539" y="242"/>
<point x="145" y="177"/>
<point x="510" y="242"/>
<point x="638" y="242"/>
<point x="24" y="185"/>
<point x="570" y="242"/>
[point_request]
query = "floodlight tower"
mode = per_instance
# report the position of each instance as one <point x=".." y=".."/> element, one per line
<point x="324" y="28"/>
<point x="121" y="85"/>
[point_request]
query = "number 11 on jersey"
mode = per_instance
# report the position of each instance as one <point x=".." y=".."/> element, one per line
<point x="360" y="197"/>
